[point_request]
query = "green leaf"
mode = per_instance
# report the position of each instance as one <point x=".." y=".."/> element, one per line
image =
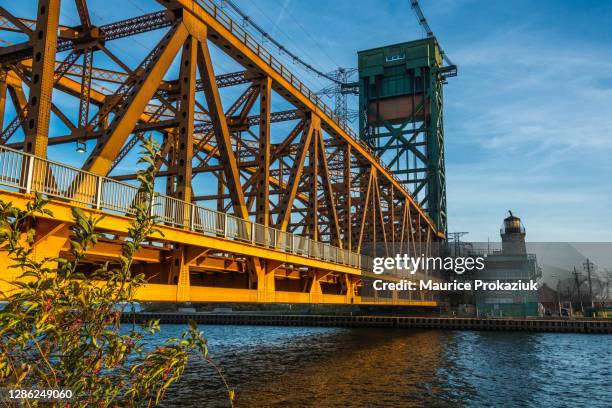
<point x="192" y="324"/>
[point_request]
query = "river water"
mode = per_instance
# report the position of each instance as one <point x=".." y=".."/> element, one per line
<point x="336" y="367"/>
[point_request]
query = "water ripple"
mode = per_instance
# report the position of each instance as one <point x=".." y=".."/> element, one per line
<point x="334" y="367"/>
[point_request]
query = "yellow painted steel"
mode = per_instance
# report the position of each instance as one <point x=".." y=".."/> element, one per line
<point x="168" y="293"/>
<point x="222" y="36"/>
<point x="41" y="83"/>
<point x="52" y="238"/>
<point x="119" y="224"/>
<point x="234" y="270"/>
<point x="108" y="147"/>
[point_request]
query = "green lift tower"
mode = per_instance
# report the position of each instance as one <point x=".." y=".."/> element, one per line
<point x="401" y="116"/>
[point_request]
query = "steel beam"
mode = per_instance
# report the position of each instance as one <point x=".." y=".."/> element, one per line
<point x="3" y="90"/>
<point x="81" y="6"/>
<point x="41" y="83"/>
<point x="222" y="133"/>
<point x="312" y="214"/>
<point x="187" y="79"/>
<point x="347" y="204"/>
<point x="127" y="116"/>
<point x="112" y="31"/>
<point x="262" y="185"/>
<point x="286" y="201"/>
<point x="364" y="208"/>
<point x="20" y="104"/>
<point x="85" y="85"/>
<point x="329" y="194"/>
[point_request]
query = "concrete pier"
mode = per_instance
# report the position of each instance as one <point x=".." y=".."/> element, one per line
<point x="599" y="326"/>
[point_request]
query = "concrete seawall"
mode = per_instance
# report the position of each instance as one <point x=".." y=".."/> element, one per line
<point x="398" y="322"/>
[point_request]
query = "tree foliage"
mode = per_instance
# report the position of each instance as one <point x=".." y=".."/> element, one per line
<point x="62" y="329"/>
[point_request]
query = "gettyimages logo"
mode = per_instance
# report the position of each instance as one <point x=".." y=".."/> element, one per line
<point x="411" y="264"/>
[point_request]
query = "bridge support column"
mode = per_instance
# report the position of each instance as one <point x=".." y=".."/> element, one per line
<point x="316" y="293"/>
<point x="179" y="274"/>
<point x="349" y="284"/>
<point x="266" y="287"/>
<point x="184" y="146"/>
<point x="51" y="236"/>
<point x="3" y="90"/>
<point x="41" y="85"/>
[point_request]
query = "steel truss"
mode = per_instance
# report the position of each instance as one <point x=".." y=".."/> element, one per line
<point x="316" y="180"/>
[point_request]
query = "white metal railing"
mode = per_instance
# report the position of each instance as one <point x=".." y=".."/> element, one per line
<point x="27" y="173"/>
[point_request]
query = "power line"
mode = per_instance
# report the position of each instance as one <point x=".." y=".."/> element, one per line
<point x="297" y="22"/>
<point x="282" y="48"/>
<point x="295" y="45"/>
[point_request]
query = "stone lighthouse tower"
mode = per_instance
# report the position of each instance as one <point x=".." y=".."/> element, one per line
<point x="513" y="236"/>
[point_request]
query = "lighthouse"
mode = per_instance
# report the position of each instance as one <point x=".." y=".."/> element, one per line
<point x="513" y="236"/>
<point x="510" y="265"/>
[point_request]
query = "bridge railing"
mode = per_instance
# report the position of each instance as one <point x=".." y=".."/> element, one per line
<point x="23" y="172"/>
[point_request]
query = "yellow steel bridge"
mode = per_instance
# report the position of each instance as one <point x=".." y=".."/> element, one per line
<point x="295" y="206"/>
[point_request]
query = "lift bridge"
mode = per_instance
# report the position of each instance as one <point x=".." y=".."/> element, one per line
<point x="256" y="204"/>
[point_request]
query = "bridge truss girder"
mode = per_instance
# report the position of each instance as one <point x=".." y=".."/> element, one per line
<point x="316" y="179"/>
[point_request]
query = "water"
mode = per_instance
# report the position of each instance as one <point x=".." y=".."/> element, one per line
<point x="334" y="367"/>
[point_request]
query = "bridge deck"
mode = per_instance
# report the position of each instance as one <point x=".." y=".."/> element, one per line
<point x="218" y="242"/>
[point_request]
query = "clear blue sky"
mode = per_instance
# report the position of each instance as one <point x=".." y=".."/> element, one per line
<point x="528" y="120"/>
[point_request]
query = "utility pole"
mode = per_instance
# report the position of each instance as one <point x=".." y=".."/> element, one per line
<point x="558" y="293"/>
<point x="339" y="91"/>
<point x="559" y="296"/>
<point x="577" y="281"/>
<point x="589" y="267"/>
<point x="569" y="300"/>
<point x="455" y="237"/>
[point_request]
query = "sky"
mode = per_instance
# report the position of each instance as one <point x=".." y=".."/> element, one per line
<point x="528" y="120"/>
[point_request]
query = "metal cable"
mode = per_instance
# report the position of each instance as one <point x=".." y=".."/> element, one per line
<point x="282" y="48"/>
<point x="423" y="21"/>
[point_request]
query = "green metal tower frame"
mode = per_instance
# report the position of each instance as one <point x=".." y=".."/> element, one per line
<point x="401" y="117"/>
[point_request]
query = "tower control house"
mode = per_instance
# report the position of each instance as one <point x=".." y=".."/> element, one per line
<point x="401" y="116"/>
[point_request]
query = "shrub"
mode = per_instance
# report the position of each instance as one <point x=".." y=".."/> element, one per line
<point x="62" y="329"/>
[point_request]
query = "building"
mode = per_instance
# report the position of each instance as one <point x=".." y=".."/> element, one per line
<point x="511" y="264"/>
<point x="549" y="299"/>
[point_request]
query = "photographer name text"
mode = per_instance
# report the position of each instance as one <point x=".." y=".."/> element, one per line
<point x="454" y="286"/>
